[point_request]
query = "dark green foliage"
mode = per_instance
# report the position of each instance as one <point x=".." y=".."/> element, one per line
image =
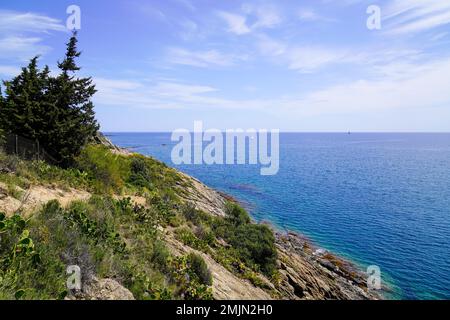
<point x="190" y="287"/>
<point x="250" y="244"/>
<point x="74" y="118"/>
<point x="200" y="268"/>
<point x="236" y="214"/>
<point x="22" y="109"/>
<point x="255" y="245"/>
<point x="56" y="111"/>
<point x="140" y="174"/>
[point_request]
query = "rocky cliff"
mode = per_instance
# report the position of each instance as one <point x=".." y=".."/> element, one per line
<point x="306" y="272"/>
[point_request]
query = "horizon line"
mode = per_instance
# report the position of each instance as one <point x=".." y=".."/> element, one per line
<point x="340" y="132"/>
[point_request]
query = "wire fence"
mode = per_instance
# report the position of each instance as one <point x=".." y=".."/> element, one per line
<point x="26" y="148"/>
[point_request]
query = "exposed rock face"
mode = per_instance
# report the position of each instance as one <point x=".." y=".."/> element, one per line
<point x="306" y="272"/>
<point x="203" y="197"/>
<point x="104" y="289"/>
<point x="226" y="286"/>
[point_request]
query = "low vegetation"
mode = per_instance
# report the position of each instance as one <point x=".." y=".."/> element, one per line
<point x="243" y="247"/>
<point x="110" y="236"/>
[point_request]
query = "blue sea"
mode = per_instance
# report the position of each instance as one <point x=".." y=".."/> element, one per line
<point x="375" y="198"/>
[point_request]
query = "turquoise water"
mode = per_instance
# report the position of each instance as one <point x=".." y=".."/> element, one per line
<point x="378" y="199"/>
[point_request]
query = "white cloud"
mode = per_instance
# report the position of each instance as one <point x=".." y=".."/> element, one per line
<point x="266" y="16"/>
<point x="421" y="86"/>
<point x="168" y="95"/>
<point x="309" y="59"/>
<point x="209" y="58"/>
<point x="16" y="41"/>
<point x="189" y="30"/>
<point x="11" y="21"/>
<point x="236" y="23"/>
<point x="411" y="16"/>
<point x="312" y="59"/>
<point x="22" y="48"/>
<point x="310" y="15"/>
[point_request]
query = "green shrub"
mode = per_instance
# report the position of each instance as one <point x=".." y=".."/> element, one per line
<point x="188" y="282"/>
<point x="160" y="255"/>
<point x="256" y="245"/>
<point x="236" y="214"/>
<point x="27" y="270"/>
<point x="106" y="171"/>
<point x="187" y="237"/>
<point x="200" y="268"/>
<point x="140" y="174"/>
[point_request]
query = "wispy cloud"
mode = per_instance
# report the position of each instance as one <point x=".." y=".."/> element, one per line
<point x="266" y="16"/>
<point x="236" y="23"/>
<point x="419" y="86"/>
<point x="18" y="34"/>
<point x="311" y="15"/>
<point x="411" y="16"/>
<point x="11" y="21"/>
<point x="208" y="58"/>
<point x="251" y="18"/>
<point x="309" y="59"/>
<point x="163" y="94"/>
<point x="21" y="48"/>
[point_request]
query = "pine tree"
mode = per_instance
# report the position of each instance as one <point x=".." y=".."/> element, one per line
<point x="72" y="110"/>
<point x="21" y="109"/>
<point x="57" y="111"/>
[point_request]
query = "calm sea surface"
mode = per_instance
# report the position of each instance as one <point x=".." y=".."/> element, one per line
<point x="377" y="199"/>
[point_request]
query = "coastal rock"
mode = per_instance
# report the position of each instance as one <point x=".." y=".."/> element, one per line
<point x="226" y="286"/>
<point x="203" y="197"/>
<point x="104" y="289"/>
<point x="305" y="272"/>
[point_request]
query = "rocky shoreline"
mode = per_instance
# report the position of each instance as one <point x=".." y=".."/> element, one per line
<point x="346" y="273"/>
<point x="306" y="271"/>
<point x="351" y="280"/>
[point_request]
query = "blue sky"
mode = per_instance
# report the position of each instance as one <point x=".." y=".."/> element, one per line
<point x="289" y="65"/>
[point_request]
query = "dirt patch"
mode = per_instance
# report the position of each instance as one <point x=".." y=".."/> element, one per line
<point x="36" y="196"/>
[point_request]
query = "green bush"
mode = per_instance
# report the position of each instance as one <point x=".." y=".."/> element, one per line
<point x="188" y="282"/>
<point x="200" y="268"/>
<point x="236" y="214"/>
<point x="256" y="245"/>
<point x="106" y="171"/>
<point x="160" y="255"/>
<point x="27" y="270"/>
<point x="140" y="174"/>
